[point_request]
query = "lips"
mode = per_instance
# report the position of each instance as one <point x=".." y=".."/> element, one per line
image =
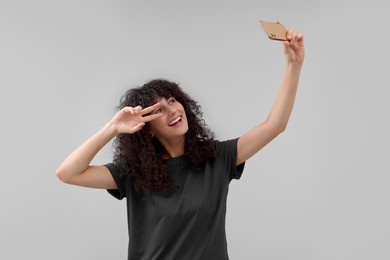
<point x="176" y="121"/>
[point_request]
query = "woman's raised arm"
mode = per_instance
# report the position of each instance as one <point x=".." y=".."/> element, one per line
<point x="76" y="168"/>
<point x="255" y="139"/>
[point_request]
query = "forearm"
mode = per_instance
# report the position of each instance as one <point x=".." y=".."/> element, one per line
<point x="79" y="160"/>
<point x="276" y="122"/>
<point x="284" y="102"/>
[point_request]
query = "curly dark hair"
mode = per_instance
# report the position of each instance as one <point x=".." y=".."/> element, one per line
<point x="141" y="153"/>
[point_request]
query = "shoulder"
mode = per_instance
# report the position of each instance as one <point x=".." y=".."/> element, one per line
<point x="226" y="145"/>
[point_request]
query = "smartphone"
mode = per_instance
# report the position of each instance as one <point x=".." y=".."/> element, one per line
<point x="275" y="31"/>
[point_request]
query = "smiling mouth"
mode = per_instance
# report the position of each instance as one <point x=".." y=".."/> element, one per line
<point x="175" y="122"/>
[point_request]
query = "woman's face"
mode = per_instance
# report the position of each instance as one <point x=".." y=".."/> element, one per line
<point x="173" y="122"/>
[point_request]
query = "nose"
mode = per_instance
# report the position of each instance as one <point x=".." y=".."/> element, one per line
<point x="171" y="110"/>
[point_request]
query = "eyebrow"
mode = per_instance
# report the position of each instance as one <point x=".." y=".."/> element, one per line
<point x="159" y="100"/>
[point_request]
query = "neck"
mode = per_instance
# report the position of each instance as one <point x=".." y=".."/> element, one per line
<point x="173" y="148"/>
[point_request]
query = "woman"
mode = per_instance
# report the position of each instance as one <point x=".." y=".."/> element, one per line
<point x="174" y="175"/>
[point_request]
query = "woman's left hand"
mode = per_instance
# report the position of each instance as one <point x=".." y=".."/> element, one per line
<point x="294" y="49"/>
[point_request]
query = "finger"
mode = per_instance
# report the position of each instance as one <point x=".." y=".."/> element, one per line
<point x="150" y="108"/>
<point x="294" y="36"/>
<point x="151" y="117"/>
<point x="128" y="110"/>
<point x="138" y="127"/>
<point x="289" y="34"/>
<point x="287" y="46"/>
<point x="299" y="36"/>
<point x="138" y="108"/>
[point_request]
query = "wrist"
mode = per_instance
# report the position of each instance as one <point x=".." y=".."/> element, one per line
<point x="110" y="129"/>
<point x="294" y="66"/>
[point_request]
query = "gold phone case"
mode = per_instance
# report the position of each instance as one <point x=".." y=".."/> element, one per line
<point x="275" y="31"/>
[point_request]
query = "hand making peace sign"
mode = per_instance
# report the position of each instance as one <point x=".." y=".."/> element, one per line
<point x="129" y="120"/>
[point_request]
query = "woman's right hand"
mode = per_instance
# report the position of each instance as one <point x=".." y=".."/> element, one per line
<point x="129" y="120"/>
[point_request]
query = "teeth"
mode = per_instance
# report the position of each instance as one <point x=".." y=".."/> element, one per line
<point x="174" y="121"/>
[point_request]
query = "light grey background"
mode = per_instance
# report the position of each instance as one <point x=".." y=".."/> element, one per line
<point x="318" y="191"/>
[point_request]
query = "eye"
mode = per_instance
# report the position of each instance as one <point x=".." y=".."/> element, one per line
<point x="171" y="100"/>
<point x="157" y="111"/>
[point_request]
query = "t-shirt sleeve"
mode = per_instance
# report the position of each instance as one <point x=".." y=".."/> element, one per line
<point x="115" y="171"/>
<point x="227" y="152"/>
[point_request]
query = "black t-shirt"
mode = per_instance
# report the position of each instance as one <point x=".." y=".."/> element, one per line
<point x="190" y="224"/>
